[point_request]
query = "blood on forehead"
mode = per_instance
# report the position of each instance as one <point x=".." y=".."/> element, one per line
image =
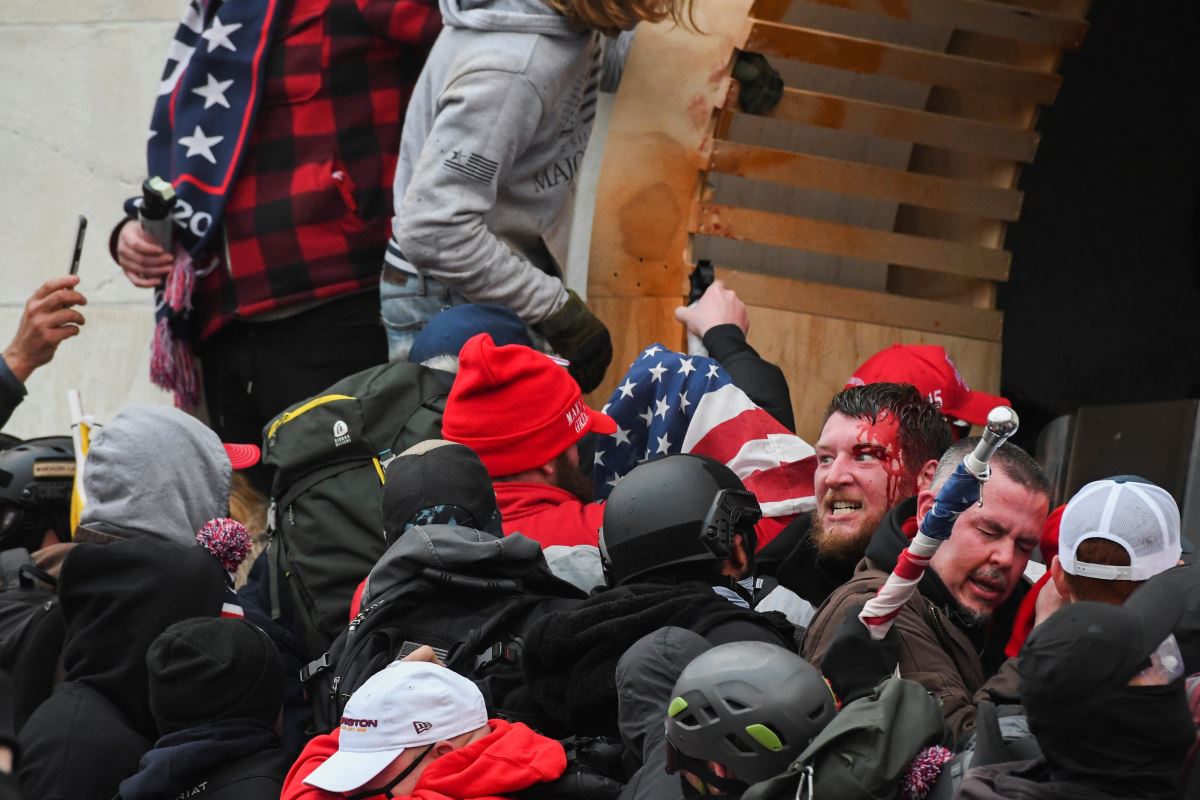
<point x="883" y="437"/>
<point x="884" y="431"/>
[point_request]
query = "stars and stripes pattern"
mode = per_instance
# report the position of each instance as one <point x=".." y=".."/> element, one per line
<point x="207" y="101"/>
<point x="670" y="403"/>
<point x="308" y="212"/>
<point x="472" y="165"/>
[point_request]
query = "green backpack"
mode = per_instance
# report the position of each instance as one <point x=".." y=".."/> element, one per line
<point x="864" y="752"/>
<point x="325" y="521"/>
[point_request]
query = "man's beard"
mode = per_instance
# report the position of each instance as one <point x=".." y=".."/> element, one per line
<point x="570" y="478"/>
<point x="977" y="617"/>
<point x="842" y="546"/>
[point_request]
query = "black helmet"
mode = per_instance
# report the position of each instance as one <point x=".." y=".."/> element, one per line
<point x="674" y="510"/>
<point x="752" y="707"/>
<point x="35" y="491"/>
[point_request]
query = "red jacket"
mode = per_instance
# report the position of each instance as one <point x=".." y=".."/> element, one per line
<point x="554" y="516"/>
<point x="509" y="759"/>
<point x="548" y="514"/>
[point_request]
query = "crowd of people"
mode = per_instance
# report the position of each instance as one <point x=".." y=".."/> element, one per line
<point x="403" y="556"/>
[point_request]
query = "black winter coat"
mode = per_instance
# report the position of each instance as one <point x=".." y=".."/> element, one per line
<point x="116" y="600"/>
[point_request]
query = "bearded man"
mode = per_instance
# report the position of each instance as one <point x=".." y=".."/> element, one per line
<point x="879" y="447"/>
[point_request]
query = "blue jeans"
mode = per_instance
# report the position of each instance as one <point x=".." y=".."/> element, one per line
<point x="406" y="303"/>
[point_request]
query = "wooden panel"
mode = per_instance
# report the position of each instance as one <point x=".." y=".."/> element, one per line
<point x="633" y="323"/>
<point x="846" y="240"/>
<point x="819" y="353"/>
<point x="825" y="142"/>
<point x="1004" y="111"/>
<point x="909" y="63"/>
<point x="1073" y="8"/>
<point x="981" y="16"/>
<point x="921" y="127"/>
<point x="856" y="305"/>
<point x="662" y="118"/>
<point x="770" y="10"/>
<point x="864" y="180"/>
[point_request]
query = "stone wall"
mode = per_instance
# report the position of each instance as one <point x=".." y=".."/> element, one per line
<point x="77" y="83"/>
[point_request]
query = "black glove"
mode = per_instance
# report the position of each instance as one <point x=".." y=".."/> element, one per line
<point x="855" y="663"/>
<point x="761" y="85"/>
<point x="579" y="336"/>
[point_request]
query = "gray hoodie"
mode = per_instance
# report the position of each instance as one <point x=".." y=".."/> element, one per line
<point x="494" y="133"/>
<point x="155" y="471"/>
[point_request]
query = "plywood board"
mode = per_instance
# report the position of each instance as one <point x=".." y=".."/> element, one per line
<point x="856" y="305"/>
<point x="921" y="127"/>
<point x="854" y="242"/>
<point x="818" y="354"/>
<point x="1014" y="112"/>
<point x="634" y="323"/>
<point x="981" y="16"/>
<point x="909" y="63"/>
<point x="656" y="148"/>
<point x="864" y="180"/>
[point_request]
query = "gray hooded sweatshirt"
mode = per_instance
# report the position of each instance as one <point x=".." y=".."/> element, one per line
<point x="495" y="131"/>
<point x="155" y="471"/>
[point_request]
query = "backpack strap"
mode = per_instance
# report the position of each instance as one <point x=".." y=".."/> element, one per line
<point x="29" y="575"/>
<point x="11" y="562"/>
<point x="989" y="741"/>
<point x="17" y="571"/>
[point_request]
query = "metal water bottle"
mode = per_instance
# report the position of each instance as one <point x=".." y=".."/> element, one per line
<point x="158" y="201"/>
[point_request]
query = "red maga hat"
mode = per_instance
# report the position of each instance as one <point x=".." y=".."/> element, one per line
<point x="930" y="369"/>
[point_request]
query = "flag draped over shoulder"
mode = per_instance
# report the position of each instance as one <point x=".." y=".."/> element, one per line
<point x="672" y="403"/>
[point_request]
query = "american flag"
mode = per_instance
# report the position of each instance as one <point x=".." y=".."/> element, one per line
<point x="672" y="403"/>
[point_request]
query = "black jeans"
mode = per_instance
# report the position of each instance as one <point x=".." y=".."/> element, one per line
<point x="255" y="370"/>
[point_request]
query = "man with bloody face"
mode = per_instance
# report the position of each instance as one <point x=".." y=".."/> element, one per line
<point x="879" y="446"/>
<point x="953" y="629"/>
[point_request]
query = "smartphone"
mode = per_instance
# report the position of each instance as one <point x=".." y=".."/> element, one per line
<point x="79" y="232"/>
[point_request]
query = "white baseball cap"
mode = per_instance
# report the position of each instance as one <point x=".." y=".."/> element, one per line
<point x="1137" y="515"/>
<point x="408" y="704"/>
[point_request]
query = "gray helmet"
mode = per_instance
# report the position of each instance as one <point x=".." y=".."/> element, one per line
<point x="752" y="707"/>
<point x="674" y="510"/>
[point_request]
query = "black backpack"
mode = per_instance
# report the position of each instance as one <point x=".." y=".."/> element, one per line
<point x="32" y="631"/>
<point x="467" y="594"/>
<point x="329" y="454"/>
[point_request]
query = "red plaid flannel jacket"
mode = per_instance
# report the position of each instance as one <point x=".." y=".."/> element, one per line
<point x="310" y="211"/>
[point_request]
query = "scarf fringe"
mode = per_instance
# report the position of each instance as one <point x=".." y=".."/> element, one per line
<point x="181" y="282"/>
<point x="173" y="367"/>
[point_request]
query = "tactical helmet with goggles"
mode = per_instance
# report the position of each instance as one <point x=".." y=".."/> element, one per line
<point x="674" y="510"/>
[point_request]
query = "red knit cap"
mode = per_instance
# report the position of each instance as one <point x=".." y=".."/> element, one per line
<point x="515" y="407"/>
